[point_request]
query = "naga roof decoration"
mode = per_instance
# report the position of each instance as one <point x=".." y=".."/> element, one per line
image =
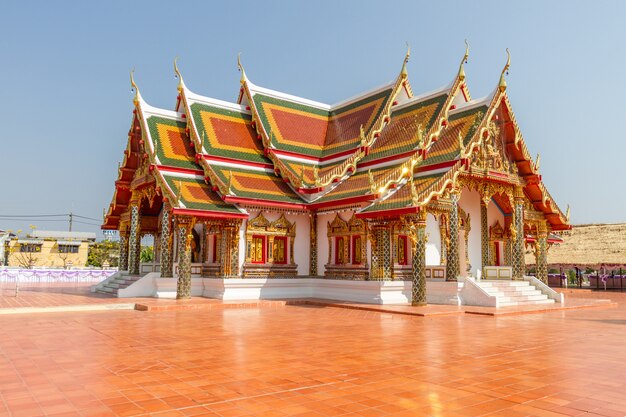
<point x="159" y="142"/>
<point x="386" y="150"/>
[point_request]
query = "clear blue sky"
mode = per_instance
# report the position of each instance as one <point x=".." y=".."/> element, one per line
<point x="66" y="101"/>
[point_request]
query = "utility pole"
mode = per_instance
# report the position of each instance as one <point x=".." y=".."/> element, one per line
<point x="71" y="218"/>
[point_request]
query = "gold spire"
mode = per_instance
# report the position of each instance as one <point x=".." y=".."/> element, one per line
<point x="567" y="214"/>
<point x="461" y="146"/>
<point x="537" y="162"/>
<point x="316" y="176"/>
<point x="134" y="86"/>
<point x="230" y="182"/>
<point x="243" y="72"/>
<point x="403" y="72"/>
<point x="362" y="136"/>
<point x="463" y="61"/>
<point x="505" y="70"/>
<point x="178" y="75"/>
<point x="370" y="177"/>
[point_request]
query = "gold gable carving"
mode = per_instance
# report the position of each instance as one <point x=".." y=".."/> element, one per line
<point x="337" y="227"/>
<point x="491" y="155"/>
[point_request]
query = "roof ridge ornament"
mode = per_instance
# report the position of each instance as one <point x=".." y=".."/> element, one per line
<point x="463" y="61"/>
<point x="178" y="75"/>
<point x="403" y="72"/>
<point x="134" y="87"/>
<point x="240" y="67"/>
<point x="567" y="213"/>
<point x="537" y="162"/>
<point x="505" y="70"/>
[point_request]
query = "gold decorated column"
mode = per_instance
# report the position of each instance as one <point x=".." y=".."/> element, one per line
<point x="185" y="236"/>
<point x="518" y="238"/>
<point x="444" y="240"/>
<point x="134" y="238"/>
<point x="541" y="252"/>
<point x="484" y="233"/>
<point x="313" y="244"/>
<point x="166" y="242"/>
<point x="123" y="263"/>
<point x="452" y="261"/>
<point x="418" y="291"/>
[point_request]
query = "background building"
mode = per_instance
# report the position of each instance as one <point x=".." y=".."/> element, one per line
<point x="49" y="249"/>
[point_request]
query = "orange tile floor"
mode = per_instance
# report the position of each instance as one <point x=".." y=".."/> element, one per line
<point x="279" y="359"/>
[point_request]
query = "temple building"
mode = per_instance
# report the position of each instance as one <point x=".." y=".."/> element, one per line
<point x="390" y="196"/>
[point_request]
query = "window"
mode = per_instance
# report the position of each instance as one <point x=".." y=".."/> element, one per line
<point x="68" y="249"/>
<point x="356" y="250"/>
<point x="402" y="250"/>
<point x="30" y="247"/>
<point x="214" y="248"/>
<point x="339" y="250"/>
<point x="280" y="250"/>
<point x="257" y="252"/>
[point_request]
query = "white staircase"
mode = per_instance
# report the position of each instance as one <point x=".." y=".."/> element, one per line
<point x="514" y="293"/>
<point x="120" y="280"/>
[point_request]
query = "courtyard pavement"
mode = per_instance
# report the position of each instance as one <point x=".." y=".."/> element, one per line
<point x="308" y="359"/>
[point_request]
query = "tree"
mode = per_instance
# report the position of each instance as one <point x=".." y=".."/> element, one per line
<point x="147" y="254"/>
<point x="105" y="251"/>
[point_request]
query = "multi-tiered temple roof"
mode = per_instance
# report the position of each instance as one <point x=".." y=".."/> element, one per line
<point x="387" y="151"/>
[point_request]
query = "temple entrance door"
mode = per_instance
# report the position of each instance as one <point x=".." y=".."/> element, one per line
<point x="499" y="246"/>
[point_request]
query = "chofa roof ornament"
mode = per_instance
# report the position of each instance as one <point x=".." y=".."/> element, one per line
<point x="178" y="75"/>
<point x="240" y="67"/>
<point x="505" y="70"/>
<point x="404" y="72"/>
<point x="463" y="61"/>
<point x="134" y="87"/>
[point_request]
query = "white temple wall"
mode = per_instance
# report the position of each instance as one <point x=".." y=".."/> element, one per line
<point x="494" y="214"/>
<point x="433" y="246"/>
<point x="322" y="241"/>
<point x="302" y="243"/>
<point x="470" y="202"/>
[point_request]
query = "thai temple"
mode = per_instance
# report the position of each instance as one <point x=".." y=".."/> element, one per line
<point x="387" y="197"/>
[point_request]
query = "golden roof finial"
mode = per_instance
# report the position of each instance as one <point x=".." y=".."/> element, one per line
<point x="505" y="70"/>
<point x="461" y="146"/>
<point x="537" y="161"/>
<point x="404" y="72"/>
<point x="567" y="213"/>
<point x="230" y="182"/>
<point x="463" y="61"/>
<point x="243" y="72"/>
<point x="134" y="86"/>
<point x="362" y="136"/>
<point x="178" y="75"/>
<point x="370" y="177"/>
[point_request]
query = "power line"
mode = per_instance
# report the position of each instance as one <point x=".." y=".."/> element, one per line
<point x="90" y="224"/>
<point x="33" y="215"/>
<point x="30" y="219"/>
<point x="88" y="218"/>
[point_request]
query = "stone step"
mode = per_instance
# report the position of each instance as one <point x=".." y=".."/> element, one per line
<point x="107" y="290"/>
<point x="522" y="298"/>
<point x="529" y="302"/>
<point x="503" y="283"/>
<point x="513" y="291"/>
